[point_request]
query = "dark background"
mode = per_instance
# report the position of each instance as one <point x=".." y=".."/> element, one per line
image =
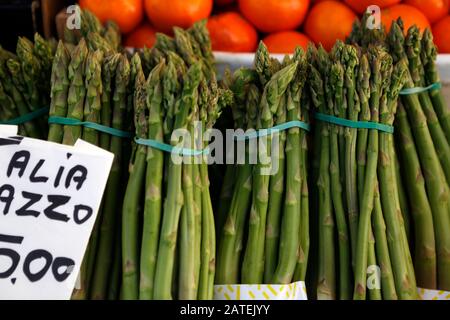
<point x="25" y="17"/>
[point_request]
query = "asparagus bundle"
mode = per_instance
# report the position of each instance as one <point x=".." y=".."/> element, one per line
<point x="168" y="234"/>
<point x="422" y="125"/>
<point x="432" y="263"/>
<point x="269" y="203"/>
<point x="25" y="80"/>
<point x="357" y="170"/>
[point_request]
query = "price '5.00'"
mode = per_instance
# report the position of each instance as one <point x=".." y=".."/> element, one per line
<point x="61" y="267"/>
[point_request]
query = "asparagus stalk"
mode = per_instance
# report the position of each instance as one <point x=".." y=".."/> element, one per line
<point x="382" y="249"/>
<point x="130" y="212"/>
<point x="276" y="192"/>
<point x="304" y="234"/>
<point x="59" y="91"/>
<point x="350" y="60"/>
<point x="108" y="73"/>
<point x="153" y="201"/>
<point x="337" y="84"/>
<point x="375" y="292"/>
<point x="326" y="283"/>
<point x="77" y="92"/>
<point x="187" y="285"/>
<point x="403" y="199"/>
<point x="92" y="106"/>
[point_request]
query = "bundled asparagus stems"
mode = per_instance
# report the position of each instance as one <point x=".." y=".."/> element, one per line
<point x="432" y="262"/>
<point x="423" y="151"/>
<point x="358" y="195"/>
<point x="267" y="196"/>
<point x="25" y="84"/>
<point x="168" y="234"/>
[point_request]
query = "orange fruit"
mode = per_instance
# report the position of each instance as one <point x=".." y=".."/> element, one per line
<point x="329" y="21"/>
<point x="229" y="31"/>
<point x="360" y="6"/>
<point x="165" y="14"/>
<point x="441" y="35"/>
<point x="126" y="13"/>
<point x="142" y="36"/>
<point x="433" y="9"/>
<point x="286" y="41"/>
<point x="274" y="15"/>
<point x="410" y="16"/>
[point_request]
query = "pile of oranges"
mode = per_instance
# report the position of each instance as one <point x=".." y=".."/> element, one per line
<point x="238" y="25"/>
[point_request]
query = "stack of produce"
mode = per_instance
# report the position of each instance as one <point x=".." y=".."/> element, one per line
<point x="358" y="194"/>
<point x="422" y="124"/>
<point x="25" y="85"/>
<point x="263" y="223"/>
<point x="91" y="85"/>
<point x="168" y="234"/>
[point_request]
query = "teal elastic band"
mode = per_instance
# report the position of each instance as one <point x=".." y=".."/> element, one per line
<point x="281" y="127"/>
<point x="408" y="91"/>
<point x="192" y="152"/>
<point x="27" y="117"/>
<point x="169" y="148"/>
<point x="91" y="125"/>
<point x="354" y="124"/>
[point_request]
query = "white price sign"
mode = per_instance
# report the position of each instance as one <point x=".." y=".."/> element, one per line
<point x="49" y="198"/>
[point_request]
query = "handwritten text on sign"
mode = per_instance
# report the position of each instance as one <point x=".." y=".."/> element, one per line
<point x="49" y="199"/>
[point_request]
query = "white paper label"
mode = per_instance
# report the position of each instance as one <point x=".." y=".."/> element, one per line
<point x="292" y="291"/>
<point x="49" y="198"/>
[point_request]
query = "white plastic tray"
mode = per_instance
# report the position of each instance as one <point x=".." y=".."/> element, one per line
<point x="237" y="60"/>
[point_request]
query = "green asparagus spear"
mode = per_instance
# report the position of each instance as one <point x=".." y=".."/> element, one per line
<point x="337" y="83"/>
<point x="154" y="175"/>
<point x="77" y="92"/>
<point x="130" y="212"/>
<point x="59" y="91"/>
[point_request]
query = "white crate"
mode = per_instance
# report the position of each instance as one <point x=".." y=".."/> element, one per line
<point x="237" y="60"/>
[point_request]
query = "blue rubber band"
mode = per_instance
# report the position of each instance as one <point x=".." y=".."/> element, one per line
<point x="408" y="91"/>
<point x="27" y="117"/>
<point x="91" y="125"/>
<point x="281" y="127"/>
<point x="354" y="124"/>
<point x="169" y="148"/>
